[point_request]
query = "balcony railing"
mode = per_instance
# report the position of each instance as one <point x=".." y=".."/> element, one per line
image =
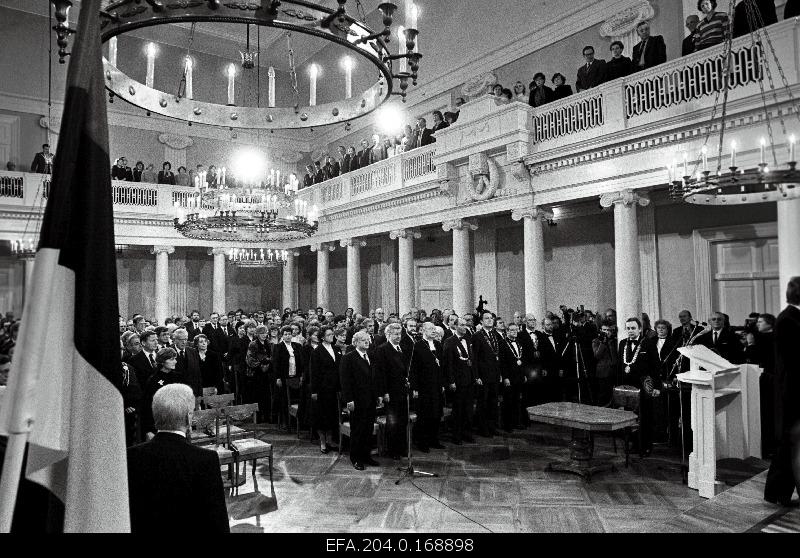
<point x="384" y="177"/>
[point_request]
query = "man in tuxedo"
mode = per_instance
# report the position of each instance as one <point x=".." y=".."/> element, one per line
<point x="514" y="380"/>
<point x="360" y="389"/>
<point x="549" y="350"/>
<point x="424" y="135"/>
<point x="687" y="47"/>
<point x="427" y="385"/>
<point x="144" y="363"/>
<point x="784" y="472"/>
<point x="344" y="160"/>
<point x="188" y="361"/>
<point x="722" y="340"/>
<point x="43" y="161"/>
<point x="391" y="363"/>
<point x="591" y="74"/>
<point x="460" y="376"/>
<point x="650" y="51"/>
<point x="364" y="154"/>
<point x="193" y="327"/>
<point x="173" y="485"/>
<point x="638" y="361"/>
<point x="438" y="121"/>
<point x="486" y="349"/>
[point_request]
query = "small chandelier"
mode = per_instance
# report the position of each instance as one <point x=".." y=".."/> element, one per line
<point x="23" y="249"/>
<point x="257" y="257"/>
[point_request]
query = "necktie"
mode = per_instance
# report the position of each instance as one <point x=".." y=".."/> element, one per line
<point x="491" y="341"/>
<point x="399" y="350"/>
<point x="513" y="346"/>
<point x="152" y="361"/>
<point x="182" y="355"/>
<point x="366" y="358"/>
<point x="715" y="337"/>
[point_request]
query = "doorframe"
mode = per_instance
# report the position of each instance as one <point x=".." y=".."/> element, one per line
<point x="439" y="261"/>
<point x="702" y="239"/>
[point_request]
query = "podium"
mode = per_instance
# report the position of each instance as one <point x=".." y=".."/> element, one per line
<point x="726" y="419"/>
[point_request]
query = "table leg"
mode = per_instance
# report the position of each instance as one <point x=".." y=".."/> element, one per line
<point x="581" y="453"/>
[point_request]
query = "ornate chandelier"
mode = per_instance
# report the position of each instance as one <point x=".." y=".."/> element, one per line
<point x="741" y="185"/>
<point x="251" y="211"/>
<point x="293" y="16"/>
<point x="257" y="257"/>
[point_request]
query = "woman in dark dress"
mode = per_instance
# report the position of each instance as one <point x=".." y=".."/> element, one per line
<point x="166" y="360"/>
<point x="323" y="371"/>
<point x="560" y="87"/>
<point x="210" y="364"/>
<point x="258" y="359"/>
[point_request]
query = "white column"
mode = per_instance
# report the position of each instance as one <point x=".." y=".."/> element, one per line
<point x="290" y="280"/>
<point x="162" y="281"/>
<point x="463" y="300"/>
<point x="218" y="303"/>
<point x="353" y="246"/>
<point x="406" y="290"/>
<point x="788" y="242"/>
<point x="627" y="269"/>
<point x="533" y="256"/>
<point x="322" y="273"/>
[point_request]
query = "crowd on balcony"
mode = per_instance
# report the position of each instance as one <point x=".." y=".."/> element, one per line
<point x="380" y="147"/>
<point x="709" y="28"/>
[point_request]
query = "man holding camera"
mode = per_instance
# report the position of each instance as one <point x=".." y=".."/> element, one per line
<point x="606" y="356"/>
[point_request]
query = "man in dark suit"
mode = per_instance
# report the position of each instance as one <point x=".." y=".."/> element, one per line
<point x="218" y="339"/>
<point x="486" y="349"/>
<point x="391" y="363"/>
<point x="650" y="51"/>
<point x="193" y="327"/>
<point x="427" y="384"/>
<point x="722" y="340"/>
<point x="514" y="380"/>
<point x="424" y="135"/>
<point x="550" y="349"/>
<point x="308" y="179"/>
<point x="319" y="173"/>
<point x="144" y="362"/>
<point x="360" y="389"/>
<point x="460" y="376"/>
<point x="687" y="47"/>
<point x="450" y="326"/>
<point x="685" y="335"/>
<point x="638" y="362"/>
<point x="173" y="485"/>
<point x="188" y="361"/>
<point x="784" y="472"/>
<point x="591" y="74"/>
<point x="409" y="335"/>
<point x="760" y="12"/>
<point x="43" y="161"/>
<point x="344" y="160"/>
<point x="364" y="154"/>
<point x="121" y="170"/>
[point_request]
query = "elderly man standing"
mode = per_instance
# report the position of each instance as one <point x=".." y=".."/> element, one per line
<point x="460" y="374"/>
<point x="173" y="485"/>
<point x="188" y="361"/>
<point x="360" y="388"/>
<point x="427" y="384"/>
<point x="391" y="363"/>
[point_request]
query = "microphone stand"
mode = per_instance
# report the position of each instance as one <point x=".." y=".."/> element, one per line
<point x="409" y="471"/>
<point x="684" y="466"/>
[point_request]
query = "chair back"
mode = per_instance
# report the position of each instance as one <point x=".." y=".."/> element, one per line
<point x="198" y="402"/>
<point x="218" y="401"/>
<point x="240" y="413"/>
<point x="201" y="419"/>
<point x="209" y="391"/>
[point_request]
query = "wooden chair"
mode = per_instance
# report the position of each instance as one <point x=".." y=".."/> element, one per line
<point x="197" y="436"/>
<point x="209" y="391"/>
<point x="248" y="448"/>
<point x="218" y="401"/>
<point x="627" y="398"/>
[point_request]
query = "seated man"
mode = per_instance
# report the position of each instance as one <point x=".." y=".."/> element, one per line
<point x="174" y="486"/>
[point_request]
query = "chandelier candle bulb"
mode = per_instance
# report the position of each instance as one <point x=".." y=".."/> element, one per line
<point x="791" y="148"/>
<point x="704" y="153"/>
<point x="271" y="74"/>
<point x="231" y="77"/>
<point x="312" y="93"/>
<point x="685" y="162"/>
<point x="414" y="14"/>
<point x="763" y="146"/>
<point x="189" y="88"/>
<point x="401" y="35"/>
<point x="348" y="77"/>
<point x="151" y="64"/>
<point x="733" y="153"/>
<point x="112" y="51"/>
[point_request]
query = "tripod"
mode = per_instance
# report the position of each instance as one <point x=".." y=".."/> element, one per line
<point x="409" y="471"/>
<point x="580" y="365"/>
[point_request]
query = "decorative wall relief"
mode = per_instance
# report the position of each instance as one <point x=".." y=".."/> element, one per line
<point x="484" y="175"/>
<point x="479" y="85"/>
<point x="622" y="25"/>
<point x="175" y="149"/>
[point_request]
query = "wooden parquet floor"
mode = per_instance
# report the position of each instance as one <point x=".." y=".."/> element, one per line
<point x="498" y="485"/>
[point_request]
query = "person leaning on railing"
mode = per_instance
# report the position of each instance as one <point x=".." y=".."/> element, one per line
<point x="560" y="87"/>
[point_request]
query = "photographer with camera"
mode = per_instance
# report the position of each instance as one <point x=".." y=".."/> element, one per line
<point x="606" y="356"/>
<point x="577" y="354"/>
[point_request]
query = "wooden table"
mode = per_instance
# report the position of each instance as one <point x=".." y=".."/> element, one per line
<point x="584" y="420"/>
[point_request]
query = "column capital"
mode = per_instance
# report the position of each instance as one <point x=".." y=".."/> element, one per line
<point x="459" y="224"/>
<point x="331" y="246"/>
<point x="353" y="241"/>
<point x="218" y="250"/>
<point x="164" y="249"/>
<point x="533" y="212"/>
<point x="404" y="233"/>
<point x="626" y="197"/>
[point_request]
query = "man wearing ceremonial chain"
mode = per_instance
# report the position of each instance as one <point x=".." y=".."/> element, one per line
<point x="639" y="365"/>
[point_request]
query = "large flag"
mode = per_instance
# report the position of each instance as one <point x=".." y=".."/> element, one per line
<point x="64" y="387"/>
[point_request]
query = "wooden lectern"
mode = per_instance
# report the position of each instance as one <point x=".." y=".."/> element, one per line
<point x="726" y="419"/>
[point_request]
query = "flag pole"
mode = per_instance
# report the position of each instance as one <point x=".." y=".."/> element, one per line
<point x="9" y="481"/>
